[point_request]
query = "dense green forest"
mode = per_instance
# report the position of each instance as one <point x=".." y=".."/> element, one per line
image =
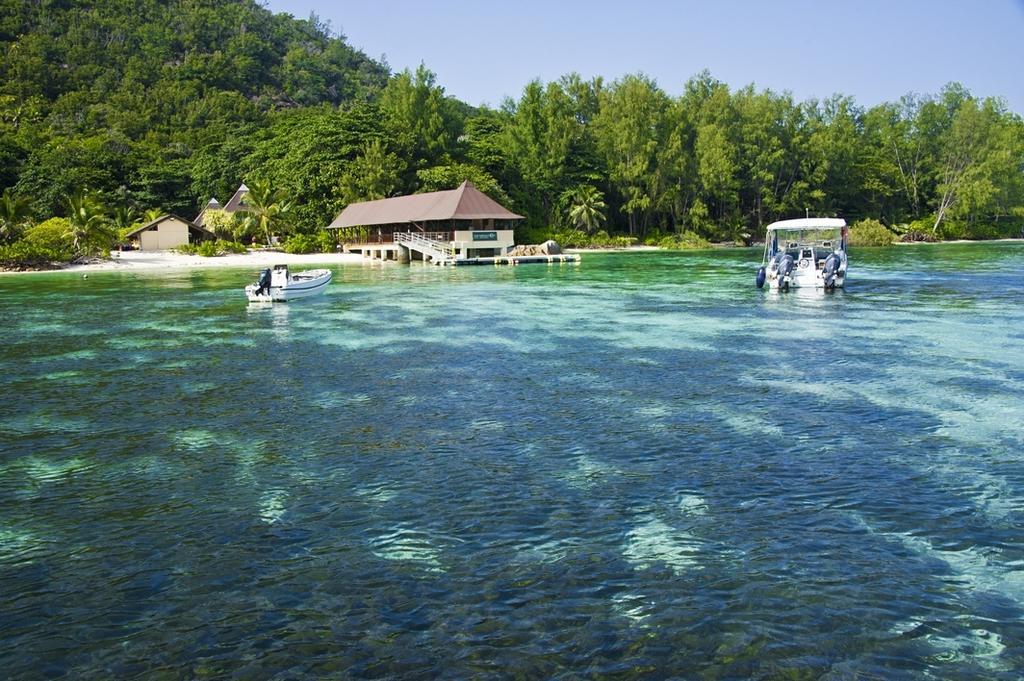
<point x="113" y="110"/>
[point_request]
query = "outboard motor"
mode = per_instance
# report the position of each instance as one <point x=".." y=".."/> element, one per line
<point x="831" y="269"/>
<point x="263" y="283"/>
<point x="761" y="274"/>
<point x="784" y="268"/>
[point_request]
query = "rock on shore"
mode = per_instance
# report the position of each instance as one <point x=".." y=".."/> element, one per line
<point x="549" y="247"/>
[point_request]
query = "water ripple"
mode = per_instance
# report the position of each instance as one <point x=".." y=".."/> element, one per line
<point x="638" y="467"/>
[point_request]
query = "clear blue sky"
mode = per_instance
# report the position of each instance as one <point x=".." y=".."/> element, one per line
<point x="874" y="50"/>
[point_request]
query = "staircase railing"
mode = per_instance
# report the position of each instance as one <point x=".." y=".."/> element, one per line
<point x="437" y="250"/>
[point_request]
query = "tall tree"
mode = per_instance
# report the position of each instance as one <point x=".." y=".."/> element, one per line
<point x="420" y="115"/>
<point x="631" y="127"/>
<point x="540" y="136"/>
<point x="964" y="146"/>
<point x="374" y="174"/>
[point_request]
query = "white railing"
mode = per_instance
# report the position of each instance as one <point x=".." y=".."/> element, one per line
<point x="436" y="249"/>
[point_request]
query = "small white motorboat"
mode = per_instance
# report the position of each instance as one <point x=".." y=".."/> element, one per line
<point x="804" y="253"/>
<point x="279" y="285"/>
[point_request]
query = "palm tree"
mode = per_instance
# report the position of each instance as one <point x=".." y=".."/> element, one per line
<point x="125" y="216"/>
<point x="14" y="212"/>
<point x="89" y="229"/>
<point x="586" y="207"/>
<point x="266" y="211"/>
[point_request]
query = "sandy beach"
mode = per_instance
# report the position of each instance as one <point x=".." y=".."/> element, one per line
<point x="132" y="261"/>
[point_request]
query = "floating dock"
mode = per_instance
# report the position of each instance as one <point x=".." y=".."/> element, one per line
<point x="513" y="260"/>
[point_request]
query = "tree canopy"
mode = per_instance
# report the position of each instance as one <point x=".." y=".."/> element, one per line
<point x="161" y="105"/>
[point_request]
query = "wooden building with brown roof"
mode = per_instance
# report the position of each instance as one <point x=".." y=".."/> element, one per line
<point x="470" y="222"/>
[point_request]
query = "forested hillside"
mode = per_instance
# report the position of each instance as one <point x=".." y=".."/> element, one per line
<point x="157" y="106"/>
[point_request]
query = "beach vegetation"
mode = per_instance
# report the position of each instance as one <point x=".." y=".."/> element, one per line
<point x="321" y="241"/>
<point x="89" y="229"/>
<point x="212" y="248"/>
<point x="14" y="216"/>
<point x="47" y="244"/>
<point x="27" y="255"/>
<point x="54" y="234"/>
<point x="267" y="212"/>
<point x="301" y="243"/>
<point x="577" y="238"/>
<point x="584" y="207"/>
<point x="680" y="241"/>
<point x="871" y="233"/>
<point x="224" y="225"/>
<point x="208" y="249"/>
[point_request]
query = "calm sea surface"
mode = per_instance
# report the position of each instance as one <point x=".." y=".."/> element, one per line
<point x="637" y="467"/>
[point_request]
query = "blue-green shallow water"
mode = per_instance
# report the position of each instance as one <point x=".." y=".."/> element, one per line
<point x="640" y="466"/>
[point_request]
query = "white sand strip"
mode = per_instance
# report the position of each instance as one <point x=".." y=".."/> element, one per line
<point x="130" y="261"/>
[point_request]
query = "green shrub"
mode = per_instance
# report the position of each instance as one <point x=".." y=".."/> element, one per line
<point x="325" y="242"/>
<point x="685" y="241"/>
<point x="300" y="243"/>
<point x="955" y="229"/>
<point x="321" y="241"/>
<point x="209" y="249"/>
<point x="568" y="237"/>
<point x="24" y="254"/>
<point x="656" y="238"/>
<point x="871" y="233"/>
<point x="232" y="247"/>
<point x="51" y="234"/>
<point x="41" y="246"/>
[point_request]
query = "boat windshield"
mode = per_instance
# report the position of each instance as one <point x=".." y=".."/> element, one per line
<point x="792" y="240"/>
<point x="788" y="239"/>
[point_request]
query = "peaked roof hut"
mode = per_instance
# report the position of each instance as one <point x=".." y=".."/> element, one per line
<point x="237" y="200"/>
<point x="211" y="205"/>
<point x="464" y="203"/>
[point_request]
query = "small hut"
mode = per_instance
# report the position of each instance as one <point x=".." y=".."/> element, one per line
<point x="212" y="206"/>
<point x="167" y="232"/>
<point x="214" y="214"/>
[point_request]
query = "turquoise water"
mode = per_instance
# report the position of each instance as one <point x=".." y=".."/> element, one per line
<point x="635" y="467"/>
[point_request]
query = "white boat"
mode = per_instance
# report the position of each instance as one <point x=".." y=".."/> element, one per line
<point x="278" y="285"/>
<point x="804" y="253"/>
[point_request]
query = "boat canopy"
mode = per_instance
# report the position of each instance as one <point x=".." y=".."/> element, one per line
<point x="808" y="224"/>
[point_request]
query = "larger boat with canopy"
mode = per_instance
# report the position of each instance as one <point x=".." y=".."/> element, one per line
<point x="804" y="253"/>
